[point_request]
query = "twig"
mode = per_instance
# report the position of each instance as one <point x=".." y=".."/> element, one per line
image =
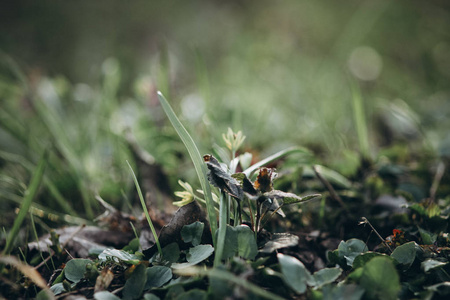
<point x="365" y="221"/>
<point x="330" y="188"/>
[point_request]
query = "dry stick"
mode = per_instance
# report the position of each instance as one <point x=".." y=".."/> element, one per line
<point x="330" y="188"/>
<point x="365" y="221"/>
<point x="437" y="179"/>
<point x="63" y="246"/>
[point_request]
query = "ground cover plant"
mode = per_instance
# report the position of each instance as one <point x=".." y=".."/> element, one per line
<point x="296" y="149"/>
<point x="310" y="233"/>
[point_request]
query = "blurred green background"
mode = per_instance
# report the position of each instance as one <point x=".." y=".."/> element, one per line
<point x="75" y="76"/>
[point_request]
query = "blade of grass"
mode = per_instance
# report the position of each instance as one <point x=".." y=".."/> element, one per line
<point x="197" y="160"/>
<point x="144" y="207"/>
<point x="223" y="221"/>
<point x="26" y="204"/>
<point x="274" y="157"/>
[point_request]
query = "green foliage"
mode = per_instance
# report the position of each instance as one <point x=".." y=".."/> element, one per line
<point x="192" y="233"/>
<point x="134" y="286"/>
<point x="380" y="279"/>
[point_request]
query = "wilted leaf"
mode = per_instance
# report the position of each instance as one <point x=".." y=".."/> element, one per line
<point x="75" y="269"/>
<point x="157" y="276"/>
<point x="134" y="286"/>
<point x="185" y="215"/>
<point x="264" y="181"/>
<point x="104" y="279"/>
<point x="80" y="240"/>
<point x="221" y="179"/>
<point x="380" y="279"/>
<point x="294" y="273"/>
<point x="279" y="241"/>
<point x="192" y="233"/>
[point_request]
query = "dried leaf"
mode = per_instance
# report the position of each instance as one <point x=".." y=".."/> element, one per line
<point x="264" y="181"/>
<point x="171" y="232"/>
<point x="221" y="179"/>
<point x="104" y="280"/>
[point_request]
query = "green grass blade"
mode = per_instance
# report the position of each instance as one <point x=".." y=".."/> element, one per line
<point x="197" y="160"/>
<point x="275" y="157"/>
<point x="144" y="207"/>
<point x="359" y="116"/>
<point x="26" y="204"/>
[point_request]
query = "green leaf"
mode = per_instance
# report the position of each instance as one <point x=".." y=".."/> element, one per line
<point x="240" y="240"/>
<point x="351" y="249"/>
<point x="75" y="269"/>
<point x="196" y="158"/>
<point x="151" y="297"/>
<point x="405" y="254"/>
<point x="325" y="276"/>
<point x="195" y="255"/>
<point x="247" y="247"/>
<point x="380" y="279"/>
<point x="132" y="246"/>
<point x="248" y="172"/>
<point x="194" y="294"/>
<point x="430" y="264"/>
<point x="119" y="255"/>
<point x="363" y="258"/>
<point x="171" y="252"/>
<point x="157" y="276"/>
<point x="428" y="238"/>
<point x="199" y="253"/>
<point x="294" y="273"/>
<point x="192" y="233"/>
<point x="105" y="295"/>
<point x="288" y="199"/>
<point x="342" y="292"/>
<point x="134" y="286"/>
<point x="57" y="288"/>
